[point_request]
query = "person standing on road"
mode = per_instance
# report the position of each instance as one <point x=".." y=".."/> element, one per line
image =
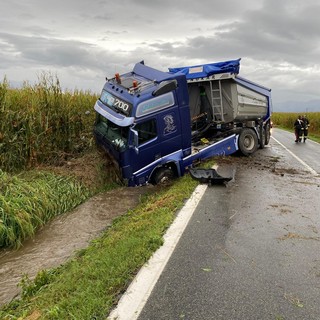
<point x="298" y="129"/>
<point x="305" y="127"/>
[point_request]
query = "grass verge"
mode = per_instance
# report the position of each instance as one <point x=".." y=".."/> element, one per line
<point x="88" y="286"/>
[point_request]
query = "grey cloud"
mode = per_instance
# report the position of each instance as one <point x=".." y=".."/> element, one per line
<point x="264" y="35"/>
<point x="204" y="9"/>
<point x="44" y="51"/>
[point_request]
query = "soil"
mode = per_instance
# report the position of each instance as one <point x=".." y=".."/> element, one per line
<point x="94" y="169"/>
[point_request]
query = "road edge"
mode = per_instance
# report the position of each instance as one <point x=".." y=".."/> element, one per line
<point x="133" y="300"/>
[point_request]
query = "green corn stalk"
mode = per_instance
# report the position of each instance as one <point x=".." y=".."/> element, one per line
<point x="42" y="124"/>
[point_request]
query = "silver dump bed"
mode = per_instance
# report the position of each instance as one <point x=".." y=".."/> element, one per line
<point x="229" y="97"/>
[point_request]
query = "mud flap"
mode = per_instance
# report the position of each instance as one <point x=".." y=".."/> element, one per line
<point x="208" y="176"/>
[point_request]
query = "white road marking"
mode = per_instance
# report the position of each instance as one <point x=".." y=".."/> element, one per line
<point x="296" y="157"/>
<point x="132" y="302"/>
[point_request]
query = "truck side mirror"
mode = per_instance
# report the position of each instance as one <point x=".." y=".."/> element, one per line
<point x="135" y="140"/>
<point x="164" y="87"/>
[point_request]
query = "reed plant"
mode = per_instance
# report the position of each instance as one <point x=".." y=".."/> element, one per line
<point x="42" y="124"/>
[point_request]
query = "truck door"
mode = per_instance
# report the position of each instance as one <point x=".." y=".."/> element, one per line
<point x="148" y="145"/>
<point x="170" y="130"/>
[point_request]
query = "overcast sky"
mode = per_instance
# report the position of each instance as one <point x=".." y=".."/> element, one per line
<point x="83" y="41"/>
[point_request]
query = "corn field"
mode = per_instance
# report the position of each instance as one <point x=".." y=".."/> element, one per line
<point x="286" y="120"/>
<point x="43" y="124"/>
<point x="39" y="124"/>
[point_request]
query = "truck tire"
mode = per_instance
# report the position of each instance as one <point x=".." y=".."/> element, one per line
<point x="248" y="142"/>
<point x="162" y="176"/>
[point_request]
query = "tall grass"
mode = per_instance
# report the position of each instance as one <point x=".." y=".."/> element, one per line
<point x="42" y="124"/>
<point x="29" y="200"/>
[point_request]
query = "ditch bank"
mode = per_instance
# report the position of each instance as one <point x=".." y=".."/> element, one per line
<point x="59" y="240"/>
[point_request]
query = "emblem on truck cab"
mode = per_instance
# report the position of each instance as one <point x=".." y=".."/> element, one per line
<point x="169" y="124"/>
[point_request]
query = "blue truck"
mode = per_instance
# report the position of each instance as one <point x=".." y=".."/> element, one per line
<point x="155" y="124"/>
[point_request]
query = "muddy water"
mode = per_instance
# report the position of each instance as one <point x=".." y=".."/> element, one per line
<point x="59" y="240"/>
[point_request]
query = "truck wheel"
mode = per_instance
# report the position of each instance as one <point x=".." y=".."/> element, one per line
<point x="268" y="134"/>
<point x="162" y="176"/>
<point x="248" y="142"/>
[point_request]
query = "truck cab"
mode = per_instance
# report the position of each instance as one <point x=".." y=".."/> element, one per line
<point x="142" y="118"/>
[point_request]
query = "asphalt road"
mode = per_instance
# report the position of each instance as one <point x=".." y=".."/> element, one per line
<point x="309" y="151"/>
<point x="251" y="250"/>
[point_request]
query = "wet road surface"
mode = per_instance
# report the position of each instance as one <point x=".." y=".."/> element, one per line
<point x="307" y="151"/>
